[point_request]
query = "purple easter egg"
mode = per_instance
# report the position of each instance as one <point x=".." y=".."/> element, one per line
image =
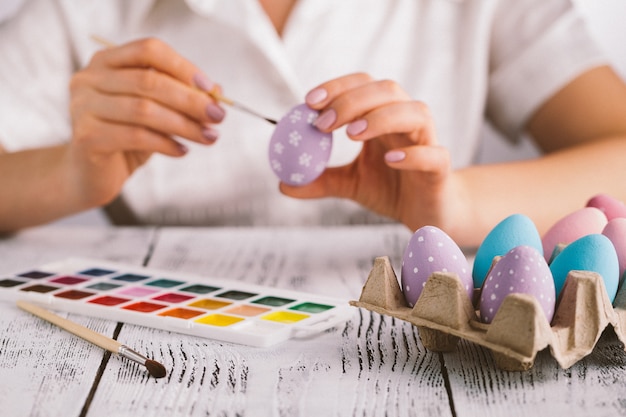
<point x="521" y="270"/>
<point x="298" y="151"/>
<point x="431" y="250"/>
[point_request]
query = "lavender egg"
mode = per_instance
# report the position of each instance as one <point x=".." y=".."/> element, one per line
<point x="298" y="151"/>
<point x="521" y="270"/>
<point x="431" y="250"/>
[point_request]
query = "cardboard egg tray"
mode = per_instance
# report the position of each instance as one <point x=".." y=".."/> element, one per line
<point x="444" y="314"/>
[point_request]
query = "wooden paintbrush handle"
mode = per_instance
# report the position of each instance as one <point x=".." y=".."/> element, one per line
<point x="215" y="95"/>
<point x="74" y="328"/>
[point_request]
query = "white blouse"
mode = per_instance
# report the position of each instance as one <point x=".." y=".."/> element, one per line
<point x="467" y="59"/>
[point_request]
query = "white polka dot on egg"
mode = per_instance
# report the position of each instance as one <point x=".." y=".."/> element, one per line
<point x="518" y="272"/>
<point x="430" y="250"/>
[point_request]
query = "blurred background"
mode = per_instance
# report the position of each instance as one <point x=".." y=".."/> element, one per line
<point x="606" y="21"/>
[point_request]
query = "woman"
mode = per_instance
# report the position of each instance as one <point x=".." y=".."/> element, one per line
<point x="411" y="82"/>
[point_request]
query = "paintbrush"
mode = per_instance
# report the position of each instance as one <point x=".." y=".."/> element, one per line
<point x="214" y="94"/>
<point x="154" y="368"/>
<point x="218" y="97"/>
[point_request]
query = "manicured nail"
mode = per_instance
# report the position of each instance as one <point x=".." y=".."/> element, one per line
<point x="357" y="127"/>
<point x="326" y="119"/>
<point x="210" y="134"/>
<point x="182" y="149"/>
<point x="316" y="96"/>
<point x="395" y="156"/>
<point x="215" y="112"/>
<point x="202" y="82"/>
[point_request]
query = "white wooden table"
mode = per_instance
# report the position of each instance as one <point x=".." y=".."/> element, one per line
<point x="371" y="366"/>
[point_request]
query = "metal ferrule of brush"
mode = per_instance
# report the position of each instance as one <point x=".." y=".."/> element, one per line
<point x="128" y="353"/>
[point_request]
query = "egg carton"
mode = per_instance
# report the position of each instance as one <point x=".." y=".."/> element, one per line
<point x="444" y="314"/>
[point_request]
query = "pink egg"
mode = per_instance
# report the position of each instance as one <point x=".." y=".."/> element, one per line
<point x="611" y="207"/>
<point x="522" y="270"/>
<point x="582" y="222"/>
<point x="431" y="250"/>
<point x="615" y="230"/>
<point x="298" y="151"/>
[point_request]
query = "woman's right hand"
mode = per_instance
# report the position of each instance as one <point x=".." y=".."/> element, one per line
<point x="128" y="103"/>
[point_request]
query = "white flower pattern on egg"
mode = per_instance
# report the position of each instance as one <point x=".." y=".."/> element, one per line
<point x="295" y="116"/>
<point x="278" y="148"/>
<point x="299" y="152"/>
<point x="276" y="165"/>
<point x="296" y="177"/>
<point x="325" y="143"/>
<point x="305" y="159"/>
<point x="294" y="138"/>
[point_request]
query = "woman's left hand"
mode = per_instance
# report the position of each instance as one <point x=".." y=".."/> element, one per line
<point x="400" y="172"/>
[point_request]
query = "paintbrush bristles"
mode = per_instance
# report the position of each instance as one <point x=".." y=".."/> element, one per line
<point x="155" y="369"/>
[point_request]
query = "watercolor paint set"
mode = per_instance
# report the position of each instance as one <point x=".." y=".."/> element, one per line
<point x="212" y="308"/>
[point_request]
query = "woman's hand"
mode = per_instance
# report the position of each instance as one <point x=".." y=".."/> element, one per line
<point x="128" y="103"/>
<point x="400" y="172"/>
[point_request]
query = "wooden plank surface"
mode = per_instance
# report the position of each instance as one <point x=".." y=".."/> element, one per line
<point x="44" y="371"/>
<point x="373" y="365"/>
<point x="595" y="386"/>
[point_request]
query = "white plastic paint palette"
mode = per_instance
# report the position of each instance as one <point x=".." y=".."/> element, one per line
<point x="210" y="308"/>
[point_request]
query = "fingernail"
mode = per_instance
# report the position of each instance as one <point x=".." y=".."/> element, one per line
<point x="316" y="96"/>
<point x="395" y="156"/>
<point x="182" y="149"/>
<point x="357" y="127"/>
<point x="215" y="112"/>
<point x="326" y="119"/>
<point x="202" y="82"/>
<point x="210" y="134"/>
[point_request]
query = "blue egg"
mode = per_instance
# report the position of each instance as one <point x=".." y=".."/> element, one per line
<point x="515" y="230"/>
<point x="593" y="252"/>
